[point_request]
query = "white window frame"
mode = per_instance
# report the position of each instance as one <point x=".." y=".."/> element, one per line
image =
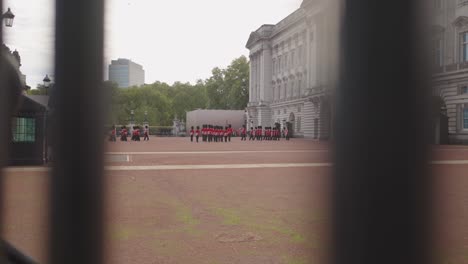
<point x="437" y="52"/>
<point x="463" y="44"/>
<point x="463" y="118"/>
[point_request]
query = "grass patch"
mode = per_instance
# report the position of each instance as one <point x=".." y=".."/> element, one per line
<point x="233" y="217"/>
<point x="294" y="260"/>
<point x="230" y="216"/>
<point x="184" y="215"/>
<point x="122" y="234"/>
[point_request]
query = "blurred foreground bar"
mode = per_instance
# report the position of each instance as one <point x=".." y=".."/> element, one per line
<point x="77" y="182"/>
<point x="381" y="196"/>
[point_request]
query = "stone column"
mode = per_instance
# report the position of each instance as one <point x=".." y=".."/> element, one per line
<point x="251" y="84"/>
<point x="266" y="73"/>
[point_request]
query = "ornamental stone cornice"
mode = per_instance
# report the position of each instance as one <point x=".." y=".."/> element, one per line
<point x="287" y="102"/>
<point x="289" y="21"/>
<point x="260" y="104"/>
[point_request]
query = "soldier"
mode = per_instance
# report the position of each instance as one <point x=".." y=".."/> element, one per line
<point x="286" y="133"/>
<point x="226" y="131"/>
<point x="211" y="133"/>
<point x="136" y="133"/>
<point x="220" y="134"/>
<point x="243" y="133"/>
<point x="191" y="134"/>
<point x="204" y="133"/>
<point x="112" y="134"/>
<point x="215" y="133"/>
<point x="230" y="132"/>
<point x="197" y="133"/>
<point x="123" y="134"/>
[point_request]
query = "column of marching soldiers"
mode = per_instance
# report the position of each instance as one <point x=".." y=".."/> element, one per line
<point x="210" y="133"/>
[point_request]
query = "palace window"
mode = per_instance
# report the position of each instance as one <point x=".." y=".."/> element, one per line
<point x="298" y="124"/>
<point x="464" y="90"/>
<point x="465" y="118"/>
<point x="274" y="91"/>
<point x="299" y="86"/>
<point x="437" y="52"/>
<point x="464" y="46"/>
<point x="286" y="61"/>
<point x="279" y="64"/>
<point x="24" y="130"/>
<point x="293" y="54"/>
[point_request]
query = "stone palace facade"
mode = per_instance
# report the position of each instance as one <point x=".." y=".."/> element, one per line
<point x="293" y="67"/>
<point x="450" y="61"/>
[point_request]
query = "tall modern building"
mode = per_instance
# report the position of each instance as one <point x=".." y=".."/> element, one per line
<point x="293" y="68"/>
<point x="126" y="73"/>
<point x="450" y="61"/>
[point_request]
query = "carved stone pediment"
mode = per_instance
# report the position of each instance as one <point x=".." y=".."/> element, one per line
<point x="437" y="29"/>
<point x="461" y="21"/>
<point x="254" y="37"/>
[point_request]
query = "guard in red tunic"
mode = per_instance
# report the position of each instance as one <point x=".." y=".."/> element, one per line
<point x="191" y="134"/>
<point x="243" y="133"/>
<point x="230" y="132"/>
<point x="123" y="134"/>
<point x="210" y="133"/>
<point x="197" y="133"/>
<point x="203" y="131"/>
<point x="112" y="134"/>
<point x="136" y="134"/>
<point x="226" y="131"/>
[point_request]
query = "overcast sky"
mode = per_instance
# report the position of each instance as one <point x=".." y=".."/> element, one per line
<point x="176" y="40"/>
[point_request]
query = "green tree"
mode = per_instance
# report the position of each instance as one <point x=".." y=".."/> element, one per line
<point x="225" y="89"/>
<point x="237" y="83"/>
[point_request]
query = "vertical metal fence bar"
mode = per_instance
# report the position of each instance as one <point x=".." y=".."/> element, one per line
<point x="4" y="121"/>
<point x="77" y="177"/>
<point x="381" y="192"/>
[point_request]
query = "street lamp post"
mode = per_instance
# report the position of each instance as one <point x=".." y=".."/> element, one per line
<point x="146" y="116"/>
<point x="46" y="83"/>
<point x="8" y="17"/>
<point x="132" y="113"/>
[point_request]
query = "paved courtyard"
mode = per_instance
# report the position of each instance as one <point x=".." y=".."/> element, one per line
<point x="172" y="201"/>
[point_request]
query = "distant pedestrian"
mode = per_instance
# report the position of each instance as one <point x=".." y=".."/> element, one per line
<point x="146" y="138"/>
<point x="197" y="133"/>
<point x="191" y="134"/>
<point x="112" y="136"/>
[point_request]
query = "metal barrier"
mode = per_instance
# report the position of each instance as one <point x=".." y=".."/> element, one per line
<point x="381" y="198"/>
<point x="77" y="181"/>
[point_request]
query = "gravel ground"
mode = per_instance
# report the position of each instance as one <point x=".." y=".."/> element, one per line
<point x="243" y="215"/>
